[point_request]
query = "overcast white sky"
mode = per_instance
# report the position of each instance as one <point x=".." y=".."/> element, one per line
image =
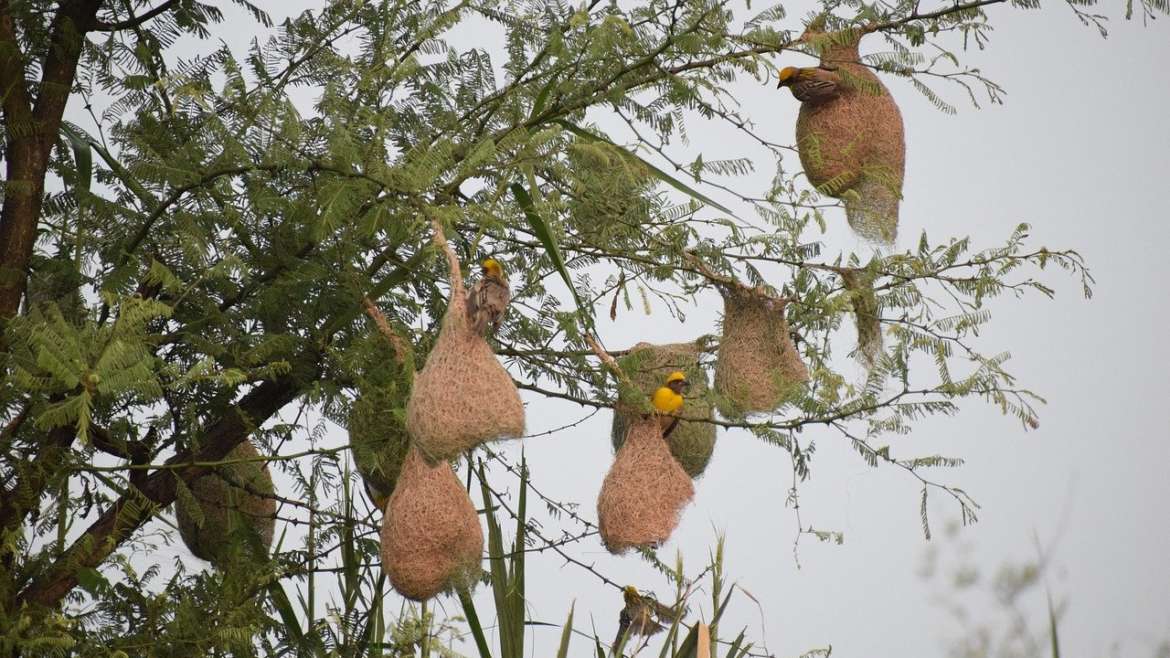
<point x="1081" y="150"/>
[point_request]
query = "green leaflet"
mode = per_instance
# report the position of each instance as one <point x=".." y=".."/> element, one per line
<point x="665" y="177"/>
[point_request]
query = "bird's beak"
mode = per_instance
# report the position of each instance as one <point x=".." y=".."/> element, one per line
<point x="686" y="386"/>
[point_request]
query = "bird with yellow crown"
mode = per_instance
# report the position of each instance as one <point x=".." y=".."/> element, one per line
<point x="643" y="615"/>
<point x="811" y="84"/>
<point x="668" y="400"/>
<point x="488" y="298"/>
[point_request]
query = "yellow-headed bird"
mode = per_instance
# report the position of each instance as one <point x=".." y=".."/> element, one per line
<point x="668" y="399"/>
<point x="488" y="298"/>
<point x="810" y="85"/>
<point x="642" y="615"/>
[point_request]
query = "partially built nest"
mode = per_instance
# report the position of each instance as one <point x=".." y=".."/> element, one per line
<point x="431" y="537"/>
<point x="693" y="441"/>
<point x="853" y="146"/>
<point x="231" y="513"/>
<point x="866" y="314"/>
<point x="378" y="439"/>
<point x="463" y="396"/>
<point x="643" y="493"/>
<point x="757" y="368"/>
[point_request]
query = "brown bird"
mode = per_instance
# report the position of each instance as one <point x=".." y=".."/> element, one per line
<point x="810" y="85"/>
<point x="488" y="298"/>
<point x="643" y="615"/>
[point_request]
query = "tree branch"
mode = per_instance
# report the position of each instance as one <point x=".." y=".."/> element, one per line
<point x="133" y="510"/>
<point x="132" y="22"/>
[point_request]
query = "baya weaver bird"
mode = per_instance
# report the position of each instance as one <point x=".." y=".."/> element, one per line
<point x="488" y="298"/>
<point x="668" y="400"/>
<point x="810" y="85"/>
<point x="642" y="615"/>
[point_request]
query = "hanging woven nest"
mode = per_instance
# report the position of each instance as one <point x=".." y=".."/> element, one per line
<point x="463" y="396"/>
<point x="866" y="313"/>
<point x="231" y="513"/>
<point x="643" y="493"/>
<point x="853" y="146"/>
<point x="376" y="420"/>
<point x="692" y="442"/>
<point x="378" y="440"/>
<point x="757" y="367"/>
<point x="431" y="537"/>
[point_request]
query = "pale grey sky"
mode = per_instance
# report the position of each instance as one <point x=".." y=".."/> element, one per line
<point x="1081" y="150"/>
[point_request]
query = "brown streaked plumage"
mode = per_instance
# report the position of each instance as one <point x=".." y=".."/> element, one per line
<point x="810" y="85"/>
<point x="488" y="298"/>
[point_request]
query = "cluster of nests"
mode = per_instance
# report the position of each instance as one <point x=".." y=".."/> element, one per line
<point x="851" y="144"/>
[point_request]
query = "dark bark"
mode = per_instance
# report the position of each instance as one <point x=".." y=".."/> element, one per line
<point x="156" y="491"/>
<point x="32" y="131"/>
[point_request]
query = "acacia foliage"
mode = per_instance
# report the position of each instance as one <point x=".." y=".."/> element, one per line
<point x="207" y="237"/>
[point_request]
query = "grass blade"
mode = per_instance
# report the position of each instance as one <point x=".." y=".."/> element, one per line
<point x="473" y="623"/>
<point x="567" y="634"/>
<point x="541" y="229"/>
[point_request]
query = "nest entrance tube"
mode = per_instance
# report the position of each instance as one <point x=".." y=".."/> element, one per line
<point x="643" y="493"/>
<point x="757" y="368"/>
<point x="235" y="502"/>
<point x="431" y="538"/>
<point x="853" y="146"/>
<point x="693" y="441"/>
<point x="463" y="396"/>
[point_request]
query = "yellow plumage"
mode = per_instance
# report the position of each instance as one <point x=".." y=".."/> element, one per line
<point x="668" y="399"/>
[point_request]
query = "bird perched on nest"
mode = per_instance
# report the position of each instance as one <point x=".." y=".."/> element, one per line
<point x="668" y="399"/>
<point x="488" y="298"/>
<point x="643" y="615"/>
<point x="810" y="85"/>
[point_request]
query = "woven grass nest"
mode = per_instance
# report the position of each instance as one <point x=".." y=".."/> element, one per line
<point x="692" y="442"/>
<point x="378" y="439"/>
<point x="431" y="538"/>
<point x="463" y="396"/>
<point x="643" y="493"/>
<point x="233" y="514"/>
<point x="853" y="147"/>
<point x="866" y="314"/>
<point x="757" y="368"/>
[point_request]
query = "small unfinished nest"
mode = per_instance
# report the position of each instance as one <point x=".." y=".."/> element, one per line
<point x="692" y="442"/>
<point x="643" y="493"/>
<point x="463" y="396"/>
<point x="431" y="538"/>
<point x="232" y="514"/>
<point x="863" y="298"/>
<point x="757" y="368"/>
<point x="378" y="440"/>
<point x="853" y="146"/>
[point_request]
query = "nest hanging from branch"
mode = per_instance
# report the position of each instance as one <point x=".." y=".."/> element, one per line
<point x="233" y="514"/>
<point x="463" y="396"/>
<point x="852" y="146"/>
<point x="692" y="442"/>
<point x="644" y="492"/>
<point x="757" y="367"/>
<point x="866" y="313"/>
<point x="431" y="538"/>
